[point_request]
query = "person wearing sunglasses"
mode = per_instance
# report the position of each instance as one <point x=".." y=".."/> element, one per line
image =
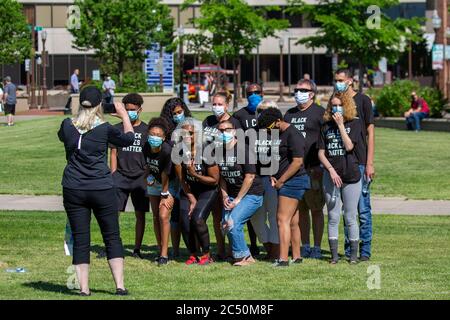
<point x="211" y="134"/>
<point x="161" y="188"/>
<point x="307" y="118"/>
<point x="342" y="178"/>
<point x="199" y="180"/>
<point x="128" y="169"/>
<point x="241" y="190"/>
<point x="291" y="180"/>
<point x="247" y="118"/>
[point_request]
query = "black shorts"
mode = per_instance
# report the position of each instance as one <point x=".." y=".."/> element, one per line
<point x="10" y="109"/>
<point x="131" y="186"/>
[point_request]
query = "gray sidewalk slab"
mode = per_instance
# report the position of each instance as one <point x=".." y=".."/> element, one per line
<point x="395" y="206"/>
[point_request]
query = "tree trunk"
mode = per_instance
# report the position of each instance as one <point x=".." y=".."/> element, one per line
<point x="161" y="62"/>
<point x="235" y="86"/>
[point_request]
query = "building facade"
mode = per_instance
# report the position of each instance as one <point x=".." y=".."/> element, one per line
<point x="263" y="65"/>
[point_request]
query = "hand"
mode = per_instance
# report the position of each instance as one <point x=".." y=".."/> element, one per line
<point x="274" y="181"/>
<point x="120" y="111"/>
<point x="192" y="205"/>
<point x="335" y="178"/>
<point x="279" y="184"/>
<point x="168" y="203"/>
<point x="191" y="168"/>
<point x="339" y="119"/>
<point x="228" y="205"/>
<point x="370" y="171"/>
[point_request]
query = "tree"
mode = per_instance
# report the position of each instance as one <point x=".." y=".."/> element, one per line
<point x="235" y="28"/>
<point x="119" y="31"/>
<point x="358" y="29"/>
<point x="15" y="42"/>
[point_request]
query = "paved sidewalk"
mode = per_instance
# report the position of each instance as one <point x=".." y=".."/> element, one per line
<point x="396" y="206"/>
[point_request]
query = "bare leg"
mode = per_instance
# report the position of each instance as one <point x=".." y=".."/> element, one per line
<point x="286" y="211"/>
<point x="154" y="202"/>
<point x="164" y="220"/>
<point x="140" y="229"/>
<point x="82" y="271"/>
<point x="295" y="236"/>
<point x="116" y="266"/>
<point x="318" y="226"/>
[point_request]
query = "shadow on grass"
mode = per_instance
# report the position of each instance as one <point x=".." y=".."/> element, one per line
<point x="57" y="288"/>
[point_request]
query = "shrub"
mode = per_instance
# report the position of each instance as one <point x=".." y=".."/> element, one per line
<point x="395" y="99"/>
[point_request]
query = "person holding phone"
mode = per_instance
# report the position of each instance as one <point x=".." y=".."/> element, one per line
<point x="88" y="184"/>
<point x="342" y="178"/>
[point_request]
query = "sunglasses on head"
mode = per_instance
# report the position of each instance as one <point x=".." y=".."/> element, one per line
<point x="272" y="126"/>
<point x="302" y="90"/>
<point x="254" y="92"/>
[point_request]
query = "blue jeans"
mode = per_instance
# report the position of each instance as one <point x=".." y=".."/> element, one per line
<point x="413" y="121"/>
<point x="365" y="221"/>
<point x="240" y="215"/>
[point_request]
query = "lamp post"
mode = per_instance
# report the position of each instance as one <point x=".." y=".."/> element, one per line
<point x="436" y="21"/>
<point x="180" y="35"/>
<point x="281" y="43"/>
<point x="38" y="77"/>
<point x="33" y="104"/>
<point x="290" y="62"/>
<point x="44" y="71"/>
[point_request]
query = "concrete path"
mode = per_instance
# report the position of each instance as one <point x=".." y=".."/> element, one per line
<point x="397" y="206"/>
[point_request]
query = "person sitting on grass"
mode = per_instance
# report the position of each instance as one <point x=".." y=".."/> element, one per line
<point x="419" y="110"/>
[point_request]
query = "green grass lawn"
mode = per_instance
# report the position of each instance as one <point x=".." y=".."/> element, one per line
<point x="411" y="252"/>
<point x="412" y="165"/>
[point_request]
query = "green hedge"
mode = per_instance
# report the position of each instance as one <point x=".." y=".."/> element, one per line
<point x="395" y="99"/>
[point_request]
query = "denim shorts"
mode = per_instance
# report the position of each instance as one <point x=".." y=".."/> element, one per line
<point x="296" y="187"/>
<point x="156" y="189"/>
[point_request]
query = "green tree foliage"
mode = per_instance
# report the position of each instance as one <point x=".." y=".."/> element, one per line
<point x="358" y="29"/>
<point x="119" y="31"/>
<point x="15" y="35"/>
<point x="235" y="27"/>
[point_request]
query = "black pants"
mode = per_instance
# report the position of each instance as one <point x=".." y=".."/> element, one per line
<point x="78" y="205"/>
<point x="195" y="227"/>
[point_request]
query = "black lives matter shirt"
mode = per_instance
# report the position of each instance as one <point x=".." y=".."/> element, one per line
<point x="267" y="153"/>
<point x="233" y="171"/>
<point x="130" y="160"/>
<point x="246" y="118"/>
<point x="345" y="163"/>
<point x="201" y="169"/>
<point x="308" y="122"/>
<point x="160" y="162"/>
<point x="365" y="115"/>
<point x="291" y="144"/>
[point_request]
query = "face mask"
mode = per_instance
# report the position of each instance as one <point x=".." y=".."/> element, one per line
<point x="341" y="86"/>
<point x="133" y="115"/>
<point x="155" y="142"/>
<point x="338" y="109"/>
<point x="227" y="137"/>
<point x="302" y="97"/>
<point x="253" y="101"/>
<point x="179" y="118"/>
<point x="218" y="111"/>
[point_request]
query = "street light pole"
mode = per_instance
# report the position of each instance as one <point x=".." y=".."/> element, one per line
<point x="33" y="104"/>
<point x="180" y="35"/>
<point x="281" y="43"/>
<point x="44" y="71"/>
<point x="290" y="63"/>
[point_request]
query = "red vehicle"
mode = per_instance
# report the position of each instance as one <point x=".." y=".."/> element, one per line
<point x="197" y="79"/>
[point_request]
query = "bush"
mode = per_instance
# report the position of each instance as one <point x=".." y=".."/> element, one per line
<point x="133" y="81"/>
<point x="395" y="99"/>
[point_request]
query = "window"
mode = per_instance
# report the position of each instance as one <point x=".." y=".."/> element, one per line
<point x="44" y="16"/>
<point x="174" y="14"/>
<point x="295" y="20"/>
<point x="59" y="16"/>
<point x="185" y="17"/>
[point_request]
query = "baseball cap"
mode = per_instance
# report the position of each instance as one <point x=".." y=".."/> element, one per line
<point x="90" y="97"/>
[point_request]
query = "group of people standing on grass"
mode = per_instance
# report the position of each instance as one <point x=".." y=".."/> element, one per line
<point x="254" y="167"/>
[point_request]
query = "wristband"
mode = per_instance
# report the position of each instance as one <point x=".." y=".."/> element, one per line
<point x="165" y="195"/>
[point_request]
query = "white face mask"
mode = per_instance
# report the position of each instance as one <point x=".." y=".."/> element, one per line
<point x="301" y="97"/>
<point x="218" y="111"/>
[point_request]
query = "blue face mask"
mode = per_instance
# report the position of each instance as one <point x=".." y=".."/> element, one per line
<point x="341" y="87"/>
<point x="179" y="118"/>
<point x="253" y="102"/>
<point x="155" y="142"/>
<point x="227" y="137"/>
<point x="134" y="115"/>
<point x="338" y="109"/>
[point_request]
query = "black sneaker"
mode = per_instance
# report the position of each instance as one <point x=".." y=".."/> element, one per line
<point x="280" y="263"/>
<point x="84" y="294"/>
<point x="254" y="250"/>
<point x="162" y="261"/>
<point x="137" y="254"/>
<point x="121" y="292"/>
<point x="364" y="259"/>
<point x="297" y="261"/>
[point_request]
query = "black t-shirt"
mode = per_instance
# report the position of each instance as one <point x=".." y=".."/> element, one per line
<point x="234" y="173"/>
<point x="130" y="160"/>
<point x="87" y="155"/>
<point x="267" y="154"/>
<point x="246" y="118"/>
<point x="160" y="162"/>
<point x="211" y="131"/>
<point x="195" y="185"/>
<point x="291" y="144"/>
<point x="308" y="122"/>
<point x="365" y="115"/>
<point x="345" y="163"/>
